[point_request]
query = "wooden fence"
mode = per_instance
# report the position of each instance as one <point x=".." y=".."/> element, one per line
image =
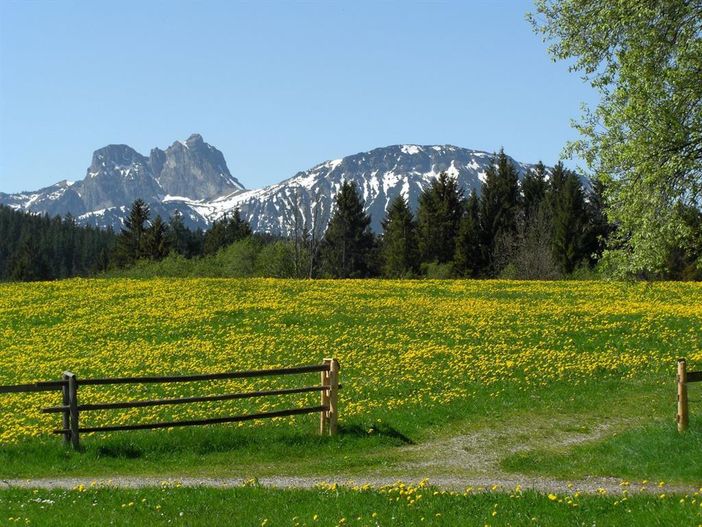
<point x="70" y="409"/>
<point x="684" y="377"/>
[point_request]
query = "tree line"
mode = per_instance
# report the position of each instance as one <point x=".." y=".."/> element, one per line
<point x="546" y="227"/>
<point x="550" y="225"/>
<point x="34" y="247"/>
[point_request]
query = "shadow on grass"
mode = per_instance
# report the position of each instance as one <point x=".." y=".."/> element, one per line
<point x="263" y="444"/>
<point x="380" y="429"/>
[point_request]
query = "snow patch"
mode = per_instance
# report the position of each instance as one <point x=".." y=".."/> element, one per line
<point x="410" y="149"/>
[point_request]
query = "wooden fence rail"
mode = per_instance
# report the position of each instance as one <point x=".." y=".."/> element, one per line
<point x="70" y="408"/>
<point x="684" y="377"/>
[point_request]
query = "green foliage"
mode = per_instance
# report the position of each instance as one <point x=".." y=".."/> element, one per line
<point x="568" y="217"/>
<point x="130" y="245"/>
<point x="500" y="204"/>
<point x="400" y="250"/>
<point x="534" y="187"/>
<point x="157" y="241"/>
<point x="467" y="258"/>
<point x="225" y="232"/>
<point x="438" y="218"/>
<point x="34" y="247"/>
<point x="277" y="260"/>
<point x="348" y="245"/>
<point x="643" y="138"/>
<point x="182" y="240"/>
<point x="437" y="271"/>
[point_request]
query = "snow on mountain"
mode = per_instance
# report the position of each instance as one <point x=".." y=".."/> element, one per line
<point x="192" y="177"/>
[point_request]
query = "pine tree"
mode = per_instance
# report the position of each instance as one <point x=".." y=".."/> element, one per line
<point x="534" y="186"/>
<point x="226" y="231"/>
<point x="400" y="250"/>
<point x="130" y="242"/>
<point x="569" y="220"/>
<point x="467" y="259"/>
<point x="179" y="235"/>
<point x="347" y="249"/>
<point x="440" y="210"/>
<point x="157" y="240"/>
<point x="598" y="229"/>
<point x="500" y="207"/>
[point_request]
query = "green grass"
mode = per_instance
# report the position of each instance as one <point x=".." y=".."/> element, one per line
<point x="255" y="507"/>
<point x="531" y="372"/>
<point x="654" y="452"/>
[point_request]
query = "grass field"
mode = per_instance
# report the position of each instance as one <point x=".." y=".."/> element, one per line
<point x="557" y="379"/>
<point x="393" y="505"/>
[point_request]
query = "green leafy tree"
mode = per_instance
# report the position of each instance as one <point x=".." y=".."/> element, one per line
<point x="400" y="250"/>
<point x="439" y="215"/>
<point x="644" y="137"/>
<point x="467" y="258"/>
<point x="347" y="248"/>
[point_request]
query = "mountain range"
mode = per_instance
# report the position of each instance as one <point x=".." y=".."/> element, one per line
<point x="192" y="177"/>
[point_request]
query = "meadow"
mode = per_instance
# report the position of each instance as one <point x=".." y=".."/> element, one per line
<point x="440" y="379"/>
<point x="332" y="506"/>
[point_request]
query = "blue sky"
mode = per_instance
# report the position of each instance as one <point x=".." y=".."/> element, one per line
<point x="276" y="86"/>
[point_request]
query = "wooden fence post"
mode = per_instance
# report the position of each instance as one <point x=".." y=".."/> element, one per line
<point x="682" y="417"/>
<point x="333" y="396"/>
<point x="324" y="414"/>
<point x="66" y="416"/>
<point x="73" y="408"/>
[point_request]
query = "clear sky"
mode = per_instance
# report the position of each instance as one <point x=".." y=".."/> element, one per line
<point x="276" y="86"/>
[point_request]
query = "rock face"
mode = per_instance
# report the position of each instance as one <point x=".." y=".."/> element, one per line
<point x="118" y="174"/>
<point x="193" y="169"/>
<point x="192" y="177"/>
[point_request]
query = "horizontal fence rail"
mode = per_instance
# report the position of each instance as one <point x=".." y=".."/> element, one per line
<point x="36" y="387"/>
<point x="193" y="422"/>
<point x="70" y="409"/>
<point x="207" y="376"/>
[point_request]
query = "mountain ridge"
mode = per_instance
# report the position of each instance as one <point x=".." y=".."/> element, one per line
<point x="192" y="177"/>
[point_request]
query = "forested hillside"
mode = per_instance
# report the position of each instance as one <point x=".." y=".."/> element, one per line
<point x="34" y="247"/>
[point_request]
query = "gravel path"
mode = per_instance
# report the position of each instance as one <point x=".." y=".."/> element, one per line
<point x="587" y="486"/>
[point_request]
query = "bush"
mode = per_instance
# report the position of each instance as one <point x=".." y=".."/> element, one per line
<point x="437" y="271"/>
<point x="276" y="260"/>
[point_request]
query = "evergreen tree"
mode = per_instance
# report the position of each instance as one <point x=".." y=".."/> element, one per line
<point x="179" y="235"/>
<point x="440" y="210"/>
<point x="347" y="248"/>
<point x="35" y="247"/>
<point x="130" y="242"/>
<point x="400" y="250"/>
<point x="157" y="240"/>
<point x="569" y="220"/>
<point x="500" y="207"/>
<point x="598" y="229"/>
<point x="226" y="231"/>
<point x="467" y="258"/>
<point x="534" y="186"/>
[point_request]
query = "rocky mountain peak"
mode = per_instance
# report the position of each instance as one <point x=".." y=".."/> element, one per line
<point x="194" y="140"/>
<point x="194" y="169"/>
<point x="115" y="155"/>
